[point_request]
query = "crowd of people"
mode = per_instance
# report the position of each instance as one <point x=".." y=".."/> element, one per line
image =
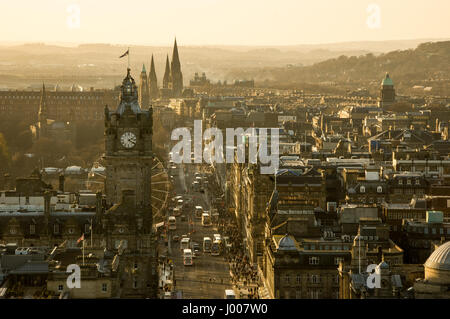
<point x="241" y="270"/>
<point x="243" y="276"/>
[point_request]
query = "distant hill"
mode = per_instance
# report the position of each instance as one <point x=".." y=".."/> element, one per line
<point x="428" y="63"/>
<point x="98" y="65"/>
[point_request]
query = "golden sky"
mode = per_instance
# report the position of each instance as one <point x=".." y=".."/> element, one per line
<point x="217" y="22"/>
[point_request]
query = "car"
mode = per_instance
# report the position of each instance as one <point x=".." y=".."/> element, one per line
<point x="176" y="238"/>
<point x="196" y="249"/>
<point x="183" y="218"/>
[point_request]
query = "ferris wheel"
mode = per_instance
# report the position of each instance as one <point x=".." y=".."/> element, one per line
<point x="160" y="184"/>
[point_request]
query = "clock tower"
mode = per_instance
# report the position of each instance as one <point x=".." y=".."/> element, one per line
<point x="128" y="146"/>
<point x="127" y="224"/>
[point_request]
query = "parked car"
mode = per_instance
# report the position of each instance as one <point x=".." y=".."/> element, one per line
<point x="176" y="238"/>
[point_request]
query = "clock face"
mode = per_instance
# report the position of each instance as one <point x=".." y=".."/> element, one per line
<point x="128" y="139"/>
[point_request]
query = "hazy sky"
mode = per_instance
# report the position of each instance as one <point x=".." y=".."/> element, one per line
<point x="215" y="22"/>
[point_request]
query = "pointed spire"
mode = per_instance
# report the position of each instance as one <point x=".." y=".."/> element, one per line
<point x="43" y="105"/>
<point x="176" y="75"/>
<point x="152" y="81"/>
<point x="175" y="57"/>
<point x="143" y="68"/>
<point x="166" y="79"/>
<point x="152" y="69"/>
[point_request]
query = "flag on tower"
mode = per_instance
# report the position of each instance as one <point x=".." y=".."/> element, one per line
<point x="125" y="54"/>
<point x="80" y="239"/>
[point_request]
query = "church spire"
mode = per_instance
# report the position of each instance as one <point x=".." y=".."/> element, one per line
<point x="175" y="57"/>
<point x="177" y="76"/>
<point x="167" y="75"/>
<point x="144" y="97"/>
<point x="152" y="81"/>
<point x="42" y="116"/>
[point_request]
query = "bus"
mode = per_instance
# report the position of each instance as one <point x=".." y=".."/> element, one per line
<point x="215" y="248"/>
<point x="172" y="223"/>
<point x="176" y="211"/>
<point x="196" y="186"/>
<point x="206" y="244"/>
<point x="184" y="244"/>
<point x="187" y="257"/>
<point x="229" y="294"/>
<point x="198" y="212"/>
<point x="206" y="220"/>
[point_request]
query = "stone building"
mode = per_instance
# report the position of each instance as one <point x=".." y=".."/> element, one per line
<point x="305" y="269"/>
<point x="436" y="284"/>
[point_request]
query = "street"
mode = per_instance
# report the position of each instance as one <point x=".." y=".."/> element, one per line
<point x="209" y="276"/>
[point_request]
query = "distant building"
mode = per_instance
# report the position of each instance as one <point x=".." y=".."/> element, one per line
<point x="200" y="80"/>
<point x="49" y="128"/>
<point x="387" y="92"/>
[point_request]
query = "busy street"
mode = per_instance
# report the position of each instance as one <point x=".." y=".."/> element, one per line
<point x="208" y="273"/>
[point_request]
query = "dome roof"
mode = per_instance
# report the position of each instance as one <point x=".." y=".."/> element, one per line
<point x="286" y="243"/>
<point x="440" y="258"/>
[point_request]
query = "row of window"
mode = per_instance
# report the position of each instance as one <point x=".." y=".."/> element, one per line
<point x="426" y="230"/>
<point x="311" y="294"/>
<point x="57" y="97"/>
<point x="314" y="279"/>
<point x="326" y="247"/>
<point x="104" y="288"/>
<point x="56" y="229"/>
<point x="314" y="260"/>
<point x="408" y="182"/>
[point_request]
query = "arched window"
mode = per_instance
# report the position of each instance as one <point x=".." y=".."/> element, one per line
<point x="362" y="189"/>
<point x="379" y="189"/>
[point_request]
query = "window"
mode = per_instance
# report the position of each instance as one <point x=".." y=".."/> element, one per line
<point x="417" y="181"/>
<point x="338" y="260"/>
<point x="60" y="287"/>
<point x="441" y="231"/>
<point x="400" y="182"/>
<point x="299" y="279"/>
<point x="286" y="279"/>
<point x="362" y="189"/>
<point x="315" y="279"/>
<point x="313" y="260"/>
<point x="433" y="230"/>
<point x="379" y="189"/>
<point x="426" y="230"/>
<point x="135" y="266"/>
<point x="314" y="293"/>
<point x="408" y="181"/>
<point x="104" y="287"/>
<point x="32" y="229"/>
